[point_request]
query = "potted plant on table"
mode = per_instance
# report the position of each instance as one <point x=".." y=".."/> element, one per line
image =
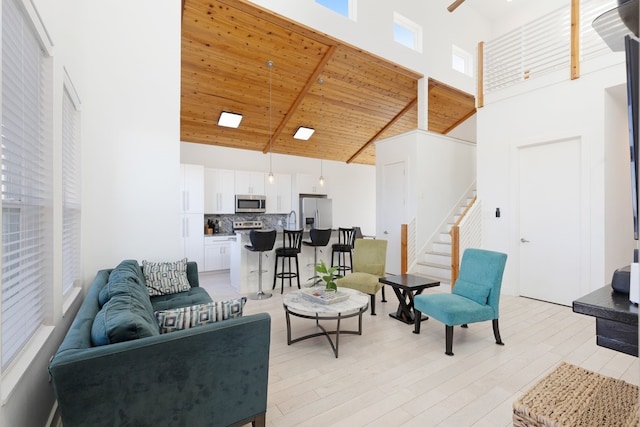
<point x="329" y="276"/>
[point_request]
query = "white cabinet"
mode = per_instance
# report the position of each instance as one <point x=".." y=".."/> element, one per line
<point x="310" y="184"/>
<point x="278" y="194"/>
<point x="219" y="191"/>
<point x="192" y="188"/>
<point x="193" y="237"/>
<point x="192" y="211"/>
<point x="217" y="253"/>
<point x="249" y="182"/>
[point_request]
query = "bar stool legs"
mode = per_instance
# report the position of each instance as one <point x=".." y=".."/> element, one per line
<point x="261" y="241"/>
<point x="260" y="294"/>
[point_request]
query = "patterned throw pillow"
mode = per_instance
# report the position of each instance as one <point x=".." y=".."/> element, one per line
<point x="196" y="315"/>
<point x="165" y="278"/>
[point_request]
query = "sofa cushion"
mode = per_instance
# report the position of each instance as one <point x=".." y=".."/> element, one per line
<point x="193" y="296"/>
<point x="200" y="314"/>
<point x="126" y="278"/>
<point x="164" y="278"/>
<point x="123" y="318"/>
<point x="475" y="292"/>
<point x="363" y="282"/>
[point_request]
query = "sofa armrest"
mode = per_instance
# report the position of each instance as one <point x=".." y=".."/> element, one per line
<point x="215" y="374"/>
<point x="192" y="273"/>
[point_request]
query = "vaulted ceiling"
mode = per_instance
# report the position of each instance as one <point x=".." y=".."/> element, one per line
<point x="226" y="45"/>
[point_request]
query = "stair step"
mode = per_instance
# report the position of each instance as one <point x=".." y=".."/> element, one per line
<point x="440" y="247"/>
<point x="438" y="258"/>
<point x="444" y="238"/>
<point x="435" y="265"/>
<point x="434" y="270"/>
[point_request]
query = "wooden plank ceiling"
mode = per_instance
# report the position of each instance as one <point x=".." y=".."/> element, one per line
<point x="226" y="45"/>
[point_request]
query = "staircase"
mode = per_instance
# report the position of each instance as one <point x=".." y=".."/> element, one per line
<point x="435" y="262"/>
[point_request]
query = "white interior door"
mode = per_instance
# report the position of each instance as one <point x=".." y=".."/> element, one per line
<point x="393" y="201"/>
<point x="550" y="221"/>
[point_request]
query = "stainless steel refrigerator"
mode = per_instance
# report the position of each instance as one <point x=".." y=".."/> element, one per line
<point x="315" y="212"/>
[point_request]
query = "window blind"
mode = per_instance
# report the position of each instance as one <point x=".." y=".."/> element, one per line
<point x="70" y="192"/>
<point x="26" y="184"/>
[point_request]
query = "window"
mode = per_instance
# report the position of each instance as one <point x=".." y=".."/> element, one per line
<point x="25" y="160"/>
<point x="71" y="202"/>
<point x="407" y="32"/>
<point x="346" y="8"/>
<point x="462" y="61"/>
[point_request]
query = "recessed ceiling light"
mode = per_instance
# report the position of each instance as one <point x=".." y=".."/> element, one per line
<point x="229" y="120"/>
<point x="303" y="133"/>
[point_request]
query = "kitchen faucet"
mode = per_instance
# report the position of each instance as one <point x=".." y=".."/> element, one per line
<point x="291" y="225"/>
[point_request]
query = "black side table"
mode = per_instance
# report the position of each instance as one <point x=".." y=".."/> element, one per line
<point x="406" y="286"/>
<point x="616" y="319"/>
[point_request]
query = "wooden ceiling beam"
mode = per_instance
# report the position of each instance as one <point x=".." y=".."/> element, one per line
<point x="459" y="121"/>
<point x="398" y="116"/>
<point x="301" y="95"/>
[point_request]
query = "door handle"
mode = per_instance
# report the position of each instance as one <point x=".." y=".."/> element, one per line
<point x="523" y="240"/>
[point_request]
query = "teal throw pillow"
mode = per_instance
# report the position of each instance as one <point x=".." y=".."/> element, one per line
<point x="123" y="318"/>
<point x="473" y="291"/>
<point x="126" y="279"/>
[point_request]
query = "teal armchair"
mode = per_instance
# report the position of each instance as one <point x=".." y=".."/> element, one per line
<point x="475" y="296"/>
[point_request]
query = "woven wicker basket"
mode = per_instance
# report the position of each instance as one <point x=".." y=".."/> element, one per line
<point x="573" y="396"/>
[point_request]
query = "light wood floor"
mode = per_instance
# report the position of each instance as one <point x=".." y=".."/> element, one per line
<point x="392" y="377"/>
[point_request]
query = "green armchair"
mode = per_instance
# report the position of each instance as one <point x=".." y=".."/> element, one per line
<point x="475" y="296"/>
<point x="369" y="263"/>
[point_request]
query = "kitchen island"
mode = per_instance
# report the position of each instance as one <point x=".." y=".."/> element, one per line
<point x="243" y="269"/>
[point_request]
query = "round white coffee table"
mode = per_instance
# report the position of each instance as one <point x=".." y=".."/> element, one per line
<point x="299" y="305"/>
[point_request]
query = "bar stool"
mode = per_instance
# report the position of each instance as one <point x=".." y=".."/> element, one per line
<point x="346" y="240"/>
<point x="291" y="246"/>
<point x="319" y="237"/>
<point x="261" y="241"/>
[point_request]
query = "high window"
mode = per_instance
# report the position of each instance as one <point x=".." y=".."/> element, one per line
<point x="26" y="180"/>
<point x="407" y="32"/>
<point x="346" y="8"/>
<point x="462" y="61"/>
<point x="71" y="202"/>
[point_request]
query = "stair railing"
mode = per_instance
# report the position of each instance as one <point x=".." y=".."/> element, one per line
<point x="408" y="245"/>
<point x="465" y="233"/>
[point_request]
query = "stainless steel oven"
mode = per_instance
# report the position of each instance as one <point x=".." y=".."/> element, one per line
<point x="250" y="203"/>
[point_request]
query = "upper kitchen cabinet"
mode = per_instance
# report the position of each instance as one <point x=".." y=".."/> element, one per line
<point x="219" y="191"/>
<point x="278" y="194"/>
<point x="309" y="184"/>
<point x="250" y="182"/>
<point x="191" y="188"/>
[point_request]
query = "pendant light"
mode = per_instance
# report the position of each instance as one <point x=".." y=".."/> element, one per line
<point x="270" y="65"/>
<point x="321" y="81"/>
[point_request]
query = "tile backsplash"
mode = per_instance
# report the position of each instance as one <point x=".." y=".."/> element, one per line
<point x="225" y="222"/>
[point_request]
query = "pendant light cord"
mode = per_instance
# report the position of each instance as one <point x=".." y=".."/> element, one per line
<point x="270" y="65"/>
<point x="321" y="81"/>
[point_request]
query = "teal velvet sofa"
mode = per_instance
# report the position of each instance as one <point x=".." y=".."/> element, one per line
<point x="214" y="374"/>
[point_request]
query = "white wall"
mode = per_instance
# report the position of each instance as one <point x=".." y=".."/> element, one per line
<point x="124" y="60"/>
<point x="351" y="186"/>
<point x="130" y="84"/>
<point x="439" y="170"/>
<point x="568" y="109"/>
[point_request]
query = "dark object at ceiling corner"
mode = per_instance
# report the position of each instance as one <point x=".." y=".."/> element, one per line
<point x="616" y="23"/>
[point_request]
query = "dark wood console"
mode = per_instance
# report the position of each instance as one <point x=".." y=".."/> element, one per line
<point x="616" y="319"/>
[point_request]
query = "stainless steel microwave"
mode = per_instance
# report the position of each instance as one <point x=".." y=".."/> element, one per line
<point x="250" y="203"/>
